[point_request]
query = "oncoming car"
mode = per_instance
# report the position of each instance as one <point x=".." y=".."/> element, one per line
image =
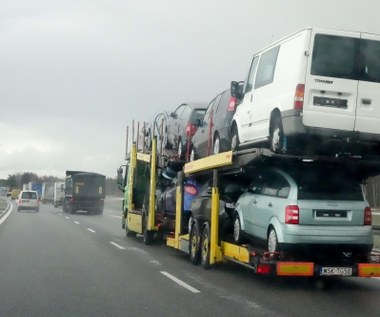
<point x="28" y="199"/>
<point x="305" y="210"/>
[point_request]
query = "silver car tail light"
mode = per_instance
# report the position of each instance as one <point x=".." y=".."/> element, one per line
<point x="292" y="214"/>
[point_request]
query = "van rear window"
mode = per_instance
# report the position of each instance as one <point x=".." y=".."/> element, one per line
<point x="346" y="57"/>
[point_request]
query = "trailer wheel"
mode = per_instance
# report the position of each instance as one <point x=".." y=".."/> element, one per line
<point x="195" y="244"/>
<point x="272" y="240"/>
<point x="205" y="246"/>
<point x="148" y="234"/>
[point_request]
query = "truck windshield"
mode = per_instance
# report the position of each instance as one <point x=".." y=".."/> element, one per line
<point x="346" y="57"/>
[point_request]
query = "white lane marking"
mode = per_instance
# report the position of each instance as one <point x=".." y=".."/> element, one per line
<point x="67" y="217"/>
<point x="119" y="217"/>
<point x="7" y="214"/>
<point x="179" y="282"/>
<point x="117" y="245"/>
<point x="93" y="231"/>
<point x="77" y="222"/>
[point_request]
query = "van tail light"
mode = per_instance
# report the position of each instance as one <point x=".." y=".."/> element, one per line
<point x="232" y="104"/>
<point x="292" y="215"/>
<point x="191" y="129"/>
<point x="367" y="216"/>
<point x="299" y="97"/>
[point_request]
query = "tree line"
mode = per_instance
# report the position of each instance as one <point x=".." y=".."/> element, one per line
<point x="18" y="179"/>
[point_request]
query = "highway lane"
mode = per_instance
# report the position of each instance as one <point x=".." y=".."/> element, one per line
<point x="54" y="264"/>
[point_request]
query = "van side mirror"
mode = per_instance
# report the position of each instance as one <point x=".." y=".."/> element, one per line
<point x="237" y="89"/>
<point x="120" y="179"/>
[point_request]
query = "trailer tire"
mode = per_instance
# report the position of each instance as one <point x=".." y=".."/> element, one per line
<point x="205" y="246"/>
<point x="148" y="234"/>
<point x="195" y="244"/>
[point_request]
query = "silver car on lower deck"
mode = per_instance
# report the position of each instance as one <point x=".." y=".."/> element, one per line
<point x="305" y="209"/>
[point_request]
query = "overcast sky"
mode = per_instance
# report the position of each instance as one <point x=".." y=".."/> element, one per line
<point x="74" y="73"/>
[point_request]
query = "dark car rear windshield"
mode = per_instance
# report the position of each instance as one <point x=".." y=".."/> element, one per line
<point x="346" y="57"/>
<point x="327" y="185"/>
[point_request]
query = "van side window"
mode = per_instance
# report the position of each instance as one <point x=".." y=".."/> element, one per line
<point x="251" y="75"/>
<point x="267" y="65"/>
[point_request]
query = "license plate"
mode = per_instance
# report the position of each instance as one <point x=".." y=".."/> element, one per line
<point x="331" y="213"/>
<point x="25" y="200"/>
<point x="336" y="271"/>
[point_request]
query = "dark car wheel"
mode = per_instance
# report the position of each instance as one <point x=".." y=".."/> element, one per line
<point x="276" y="136"/>
<point x="216" y="148"/>
<point x="234" y="139"/>
<point x="205" y="246"/>
<point x="195" y="244"/>
<point x="237" y="229"/>
<point x="148" y="234"/>
<point x="272" y="240"/>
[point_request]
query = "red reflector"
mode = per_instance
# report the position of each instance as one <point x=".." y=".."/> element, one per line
<point x="299" y="97"/>
<point x="191" y="190"/>
<point x="263" y="269"/>
<point x="232" y="104"/>
<point x="292" y="213"/>
<point x="367" y="216"/>
<point x="191" y="129"/>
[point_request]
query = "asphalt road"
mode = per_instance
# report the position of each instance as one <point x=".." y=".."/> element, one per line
<point x="54" y="264"/>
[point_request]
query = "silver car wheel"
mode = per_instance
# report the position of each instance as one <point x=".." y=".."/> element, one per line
<point x="216" y="145"/>
<point x="180" y="149"/>
<point x="192" y="155"/>
<point x="237" y="229"/>
<point x="272" y="241"/>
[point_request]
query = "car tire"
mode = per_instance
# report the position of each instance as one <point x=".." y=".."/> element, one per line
<point x="272" y="240"/>
<point x="235" y="139"/>
<point x="216" y="149"/>
<point x="276" y="140"/>
<point x="205" y="246"/>
<point x="37" y="209"/>
<point x="180" y="149"/>
<point x="192" y="155"/>
<point x="237" y="231"/>
<point x="18" y="208"/>
<point x="195" y="244"/>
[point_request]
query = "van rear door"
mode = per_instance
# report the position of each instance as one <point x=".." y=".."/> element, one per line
<point x="331" y="85"/>
<point x="368" y="101"/>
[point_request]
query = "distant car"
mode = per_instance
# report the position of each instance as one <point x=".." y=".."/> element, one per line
<point x="213" y="135"/>
<point x="182" y="124"/>
<point x="28" y="199"/>
<point x="307" y="209"/>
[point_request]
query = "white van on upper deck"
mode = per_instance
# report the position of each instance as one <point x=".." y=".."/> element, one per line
<point x="316" y="86"/>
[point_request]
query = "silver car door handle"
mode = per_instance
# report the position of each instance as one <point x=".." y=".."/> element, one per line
<point x="270" y="205"/>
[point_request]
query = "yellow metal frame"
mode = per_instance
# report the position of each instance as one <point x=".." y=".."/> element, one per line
<point x="207" y="163"/>
<point x="134" y="221"/>
<point x="152" y="187"/>
<point x="215" y="250"/>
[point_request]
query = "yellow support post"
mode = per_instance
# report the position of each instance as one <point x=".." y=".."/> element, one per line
<point x="215" y="251"/>
<point x="131" y="177"/>
<point x="178" y="209"/>
<point x="152" y="187"/>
